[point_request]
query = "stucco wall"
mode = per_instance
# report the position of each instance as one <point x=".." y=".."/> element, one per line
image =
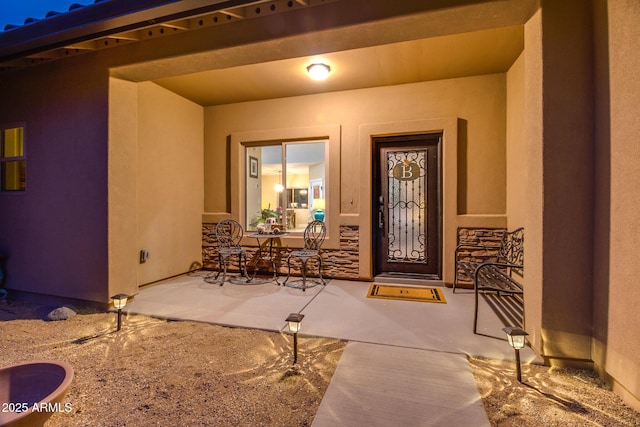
<point x="478" y="101"/>
<point x="170" y="182"/>
<point x="617" y="265"/>
<point x="516" y="154"/>
<point x="155" y="184"/>
<point x="123" y="187"/>
<point x="568" y="178"/>
<point x="55" y="233"/>
<point x="65" y="237"/>
<point x="559" y="146"/>
<point x="533" y="172"/>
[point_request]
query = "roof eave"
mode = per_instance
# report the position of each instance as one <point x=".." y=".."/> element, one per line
<point x="99" y="20"/>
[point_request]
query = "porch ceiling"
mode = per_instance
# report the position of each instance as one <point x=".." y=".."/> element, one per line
<point x="246" y="50"/>
<point x="459" y="55"/>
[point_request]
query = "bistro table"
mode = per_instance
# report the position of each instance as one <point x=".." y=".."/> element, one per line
<point x="263" y="256"/>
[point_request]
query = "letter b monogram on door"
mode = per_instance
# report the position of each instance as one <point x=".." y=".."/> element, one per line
<point x="406" y="171"/>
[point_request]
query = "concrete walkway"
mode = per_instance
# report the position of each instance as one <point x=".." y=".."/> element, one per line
<point x="376" y="385"/>
<point x="405" y="363"/>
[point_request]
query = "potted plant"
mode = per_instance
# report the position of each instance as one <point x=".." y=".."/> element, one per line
<point x="263" y="215"/>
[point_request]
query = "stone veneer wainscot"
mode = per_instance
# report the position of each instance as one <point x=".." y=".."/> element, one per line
<point x="341" y="263"/>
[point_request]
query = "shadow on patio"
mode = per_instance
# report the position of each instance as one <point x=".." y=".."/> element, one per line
<point x="405" y="363"/>
<point x="339" y="310"/>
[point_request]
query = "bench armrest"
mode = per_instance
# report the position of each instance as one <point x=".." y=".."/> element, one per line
<point x="494" y="264"/>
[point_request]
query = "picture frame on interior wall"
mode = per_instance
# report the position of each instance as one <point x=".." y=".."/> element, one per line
<point x="253" y="167"/>
<point x="317" y="190"/>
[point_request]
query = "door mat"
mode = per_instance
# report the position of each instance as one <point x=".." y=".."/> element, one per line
<point x="406" y="293"/>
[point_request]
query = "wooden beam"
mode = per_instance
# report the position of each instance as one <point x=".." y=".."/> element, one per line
<point x="235" y="13"/>
<point x="103" y="19"/>
<point x="90" y="45"/>
<point x="179" y="25"/>
<point x="129" y="35"/>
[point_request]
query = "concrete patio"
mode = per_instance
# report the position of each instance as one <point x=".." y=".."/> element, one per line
<point x="405" y="363"/>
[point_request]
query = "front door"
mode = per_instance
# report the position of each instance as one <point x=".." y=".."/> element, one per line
<point x="407" y="211"/>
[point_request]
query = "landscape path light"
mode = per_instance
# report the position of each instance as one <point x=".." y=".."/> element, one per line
<point x="294" y="320"/>
<point x="119" y="301"/>
<point x="517" y="340"/>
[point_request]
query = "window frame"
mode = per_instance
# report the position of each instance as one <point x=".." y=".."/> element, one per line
<point x="238" y="173"/>
<point x="284" y="172"/>
<point x="4" y="160"/>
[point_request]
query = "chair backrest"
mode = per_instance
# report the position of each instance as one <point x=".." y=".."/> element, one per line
<point x="314" y="235"/>
<point x="229" y="233"/>
<point x="512" y="247"/>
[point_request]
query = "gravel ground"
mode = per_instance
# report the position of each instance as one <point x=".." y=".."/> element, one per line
<point x="548" y="397"/>
<point x="157" y="372"/>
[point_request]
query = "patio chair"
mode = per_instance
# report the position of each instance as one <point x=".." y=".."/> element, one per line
<point x="314" y="235"/>
<point x="229" y="234"/>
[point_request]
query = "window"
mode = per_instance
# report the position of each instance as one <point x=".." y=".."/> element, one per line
<point x="13" y="163"/>
<point x="285" y="181"/>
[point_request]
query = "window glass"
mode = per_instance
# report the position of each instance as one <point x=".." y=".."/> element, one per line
<point x="281" y="179"/>
<point x="13" y="164"/>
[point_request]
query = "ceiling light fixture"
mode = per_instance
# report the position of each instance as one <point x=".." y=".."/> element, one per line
<point x="318" y="71"/>
<point x="279" y="188"/>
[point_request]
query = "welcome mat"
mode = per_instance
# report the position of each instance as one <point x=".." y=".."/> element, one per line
<point x="406" y="293"/>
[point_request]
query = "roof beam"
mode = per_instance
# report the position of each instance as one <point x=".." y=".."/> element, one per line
<point x="90" y="45"/>
<point x="178" y="25"/>
<point x="234" y="13"/>
<point x="129" y="35"/>
<point x="101" y="20"/>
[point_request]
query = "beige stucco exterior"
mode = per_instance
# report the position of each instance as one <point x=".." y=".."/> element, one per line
<point x="516" y="159"/>
<point x="476" y="200"/>
<point x="156" y="184"/>
<point x="117" y="164"/>
<point x="55" y="234"/>
<point x="616" y="262"/>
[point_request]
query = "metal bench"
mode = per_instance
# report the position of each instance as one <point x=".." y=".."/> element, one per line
<point x="499" y="276"/>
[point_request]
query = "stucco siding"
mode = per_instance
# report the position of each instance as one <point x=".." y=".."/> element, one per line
<point x="116" y="164"/>
<point x="568" y="178"/>
<point x="55" y="232"/>
<point x="170" y="182"/>
<point x="516" y="155"/>
<point x="479" y="101"/>
<point x="616" y="294"/>
<point x="480" y="171"/>
<point x="123" y="187"/>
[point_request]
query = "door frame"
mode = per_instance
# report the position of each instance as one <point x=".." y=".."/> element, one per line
<point x="379" y="142"/>
<point x="453" y="131"/>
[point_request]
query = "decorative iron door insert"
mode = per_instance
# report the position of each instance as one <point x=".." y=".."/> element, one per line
<point x="407" y="208"/>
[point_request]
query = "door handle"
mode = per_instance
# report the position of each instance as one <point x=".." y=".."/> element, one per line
<point x="381" y="213"/>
